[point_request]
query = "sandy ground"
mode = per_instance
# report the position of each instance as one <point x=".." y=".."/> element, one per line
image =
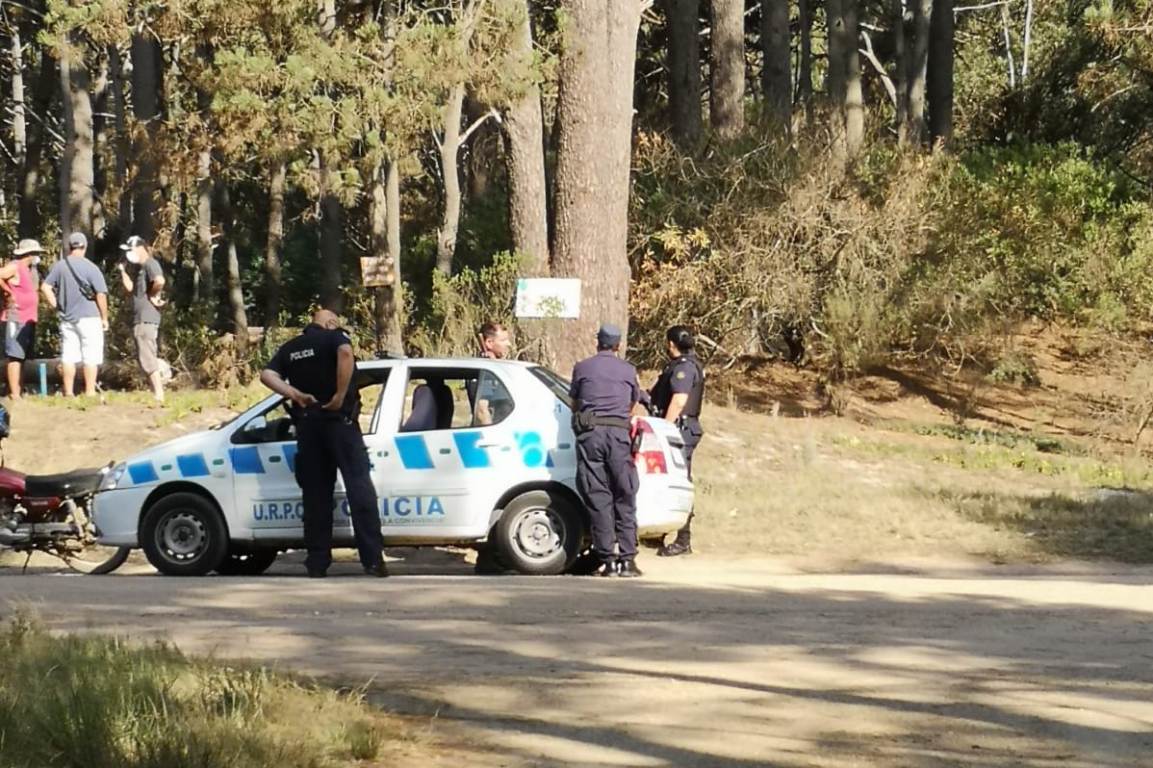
<point x="703" y="663"/>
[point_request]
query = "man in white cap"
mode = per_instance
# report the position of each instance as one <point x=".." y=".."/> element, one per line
<point x="20" y="282"/>
<point x="143" y="280"/>
<point x="76" y="289"/>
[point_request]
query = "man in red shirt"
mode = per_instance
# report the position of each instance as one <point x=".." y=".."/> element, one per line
<point x="20" y="282"/>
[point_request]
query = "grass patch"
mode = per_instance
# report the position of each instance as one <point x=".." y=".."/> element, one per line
<point x="94" y="702"/>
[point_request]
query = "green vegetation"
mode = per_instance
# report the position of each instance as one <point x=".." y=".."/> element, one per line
<point x="97" y="702"/>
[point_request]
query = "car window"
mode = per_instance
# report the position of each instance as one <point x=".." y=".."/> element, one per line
<point x="454" y="399"/>
<point x="558" y="385"/>
<point x="272" y="425"/>
<point x="371" y="385"/>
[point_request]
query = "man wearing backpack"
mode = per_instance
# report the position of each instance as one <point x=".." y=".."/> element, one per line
<point x="76" y="289"/>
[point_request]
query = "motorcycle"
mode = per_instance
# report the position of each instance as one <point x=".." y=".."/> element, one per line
<point x="50" y="514"/>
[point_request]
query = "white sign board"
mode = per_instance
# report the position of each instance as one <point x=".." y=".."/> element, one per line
<point x="548" y="297"/>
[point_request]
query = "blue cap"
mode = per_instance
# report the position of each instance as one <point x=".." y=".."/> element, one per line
<point x="608" y="335"/>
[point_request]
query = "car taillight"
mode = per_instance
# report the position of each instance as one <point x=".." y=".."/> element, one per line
<point x="650" y="456"/>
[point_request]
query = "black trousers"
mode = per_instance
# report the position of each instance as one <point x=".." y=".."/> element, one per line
<point x="691" y="433"/>
<point x="325" y="444"/>
<point x="608" y="482"/>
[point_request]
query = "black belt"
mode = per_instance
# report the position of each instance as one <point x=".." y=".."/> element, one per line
<point x="611" y="421"/>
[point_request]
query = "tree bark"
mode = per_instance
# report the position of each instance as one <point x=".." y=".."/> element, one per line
<point x="237" y="316"/>
<point x="776" y="76"/>
<point x="385" y="224"/>
<point x="836" y="73"/>
<point x="76" y="173"/>
<point x="940" y="74"/>
<point x="204" y="285"/>
<point x="728" y="68"/>
<point x="592" y="178"/>
<point x="19" y="124"/>
<point x="100" y="130"/>
<point x="123" y="145"/>
<point x="272" y="266"/>
<point x="922" y="16"/>
<point x="331" y="233"/>
<point x="901" y="71"/>
<point x="682" y="18"/>
<point x="805" y="75"/>
<point x="527" y="185"/>
<point x="147" y="83"/>
<point x="448" y="148"/>
<point x="30" y="223"/>
<point x="854" y="105"/>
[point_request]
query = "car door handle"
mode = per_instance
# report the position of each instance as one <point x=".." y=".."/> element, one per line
<point x="492" y="445"/>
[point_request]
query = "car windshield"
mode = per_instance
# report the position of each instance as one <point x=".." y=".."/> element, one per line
<point x="558" y="385"/>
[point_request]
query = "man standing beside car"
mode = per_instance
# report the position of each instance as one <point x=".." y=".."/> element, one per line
<point x="604" y="391"/>
<point x="677" y="397"/>
<point x="76" y="288"/>
<point x="143" y="280"/>
<point x="315" y="372"/>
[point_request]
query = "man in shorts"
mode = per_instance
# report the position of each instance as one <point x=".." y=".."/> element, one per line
<point x="76" y="289"/>
<point x="20" y="281"/>
<point x="143" y="280"/>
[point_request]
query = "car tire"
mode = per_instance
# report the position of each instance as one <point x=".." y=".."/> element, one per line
<point x="539" y="533"/>
<point x="250" y="563"/>
<point x="183" y="534"/>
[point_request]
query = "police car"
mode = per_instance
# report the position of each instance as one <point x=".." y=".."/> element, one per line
<point x="464" y="452"/>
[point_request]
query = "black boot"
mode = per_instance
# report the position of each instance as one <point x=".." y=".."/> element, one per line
<point x="628" y="569"/>
<point x="682" y="545"/>
<point x="607" y="569"/>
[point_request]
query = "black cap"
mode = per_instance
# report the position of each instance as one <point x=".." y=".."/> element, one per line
<point x="608" y="336"/>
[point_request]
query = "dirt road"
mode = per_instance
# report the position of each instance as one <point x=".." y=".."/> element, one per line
<point x="702" y="663"/>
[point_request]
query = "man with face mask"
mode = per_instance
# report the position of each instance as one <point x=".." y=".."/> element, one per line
<point x="21" y="283"/>
<point x="143" y="280"/>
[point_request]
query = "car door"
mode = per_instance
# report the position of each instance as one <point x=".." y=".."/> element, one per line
<point x="446" y="468"/>
<point x="262" y="459"/>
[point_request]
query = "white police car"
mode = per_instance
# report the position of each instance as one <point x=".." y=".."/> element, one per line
<point x="463" y="452"/>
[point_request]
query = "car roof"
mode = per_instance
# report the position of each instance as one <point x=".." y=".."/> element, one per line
<point x="447" y="362"/>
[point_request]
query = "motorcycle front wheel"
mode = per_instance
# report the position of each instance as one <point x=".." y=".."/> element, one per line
<point x="96" y="560"/>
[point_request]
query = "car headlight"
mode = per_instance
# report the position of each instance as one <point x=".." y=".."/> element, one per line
<point x="112" y="477"/>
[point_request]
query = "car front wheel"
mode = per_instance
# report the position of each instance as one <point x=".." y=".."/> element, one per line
<point x="539" y="533"/>
<point x="183" y="534"/>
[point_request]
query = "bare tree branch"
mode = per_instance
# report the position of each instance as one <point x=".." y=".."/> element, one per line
<point x="492" y="113"/>
<point x="869" y="54"/>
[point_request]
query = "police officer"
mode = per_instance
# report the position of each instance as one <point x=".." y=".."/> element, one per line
<point x="315" y="371"/>
<point x="604" y="391"/>
<point x="677" y="396"/>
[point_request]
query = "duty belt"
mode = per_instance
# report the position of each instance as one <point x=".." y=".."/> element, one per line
<point x="610" y="421"/>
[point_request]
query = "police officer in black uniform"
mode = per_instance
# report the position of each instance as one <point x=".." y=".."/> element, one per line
<point x="315" y="372"/>
<point x="604" y="391"/>
<point x="677" y="396"/>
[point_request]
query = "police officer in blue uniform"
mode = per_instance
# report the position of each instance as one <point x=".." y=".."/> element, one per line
<point x="677" y="396"/>
<point x="604" y="391"/>
<point x="314" y="372"/>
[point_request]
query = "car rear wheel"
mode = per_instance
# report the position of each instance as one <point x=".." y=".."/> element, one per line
<point x="539" y="533"/>
<point x="183" y="534"/>
<point x="251" y="563"/>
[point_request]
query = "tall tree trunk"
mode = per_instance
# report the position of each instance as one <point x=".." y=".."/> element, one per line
<point x="901" y="71"/>
<point x="836" y="84"/>
<point x="19" y="123"/>
<point x="728" y="68"/>
<point x="204" y="286"/>
<point x="331" y="233"/>
<point x="449" y="146"/>
<point x="76" y="176"/>
<point x="854" y="97"/>
<point x="385" y="221"/>
<point x="940" y="74"/>
<point x="682" y="18"/>
<point x="592" y="178"/>
<point x="805" y="67"/>
<point x="483" y="150"/>
<point x="777" y="77"/>
<point x="123" y="145"/>
<point x="527" y="185"/>
<point x="237" y="316"/>
<point x="100" y="130"/>
<point x="147" y="84"/>
<point x="30" y="223"/>
<point x="272" y="266"/>
<point x="919" y="63"/>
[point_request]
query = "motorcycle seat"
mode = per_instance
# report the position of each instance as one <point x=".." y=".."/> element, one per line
<point x="78" y="482"/>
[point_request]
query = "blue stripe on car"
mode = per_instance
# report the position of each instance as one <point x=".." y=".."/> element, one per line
<point x="290" y="457"/>
<point x="246" y="461"/>
<point x="413" y="452"/>
<point x="143" y="472"/>
<point x="471" y="455"/>
<point x="192" y="465"/>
